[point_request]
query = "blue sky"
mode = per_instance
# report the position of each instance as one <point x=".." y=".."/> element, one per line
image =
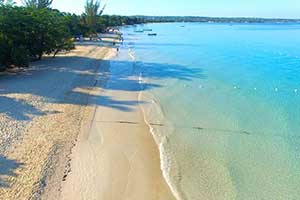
<point x="218" y="8"/>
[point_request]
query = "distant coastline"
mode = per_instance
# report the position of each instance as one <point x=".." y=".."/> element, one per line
<point x="162" y="19"/>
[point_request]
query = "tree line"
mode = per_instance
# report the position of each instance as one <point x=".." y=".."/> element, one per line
<point x="171" y="19"/>
<point x="30" y="31"/>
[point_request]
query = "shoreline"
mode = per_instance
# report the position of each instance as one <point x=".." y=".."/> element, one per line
<point x="65" y="97"/>
<point x="161" y="142"/>
<point x="115" y="160"/>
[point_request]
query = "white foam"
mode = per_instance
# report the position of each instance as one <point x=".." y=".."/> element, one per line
<point x="165" y="160"/>
<point x="130" y="53"/>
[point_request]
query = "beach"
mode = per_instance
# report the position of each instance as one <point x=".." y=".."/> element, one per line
<point x="41" y="113"/>
<point x="48" y="109"/>
<point x="157" y="117"/>
<point x="116" y="157"/>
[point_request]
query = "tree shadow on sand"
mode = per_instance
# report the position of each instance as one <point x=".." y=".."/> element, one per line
<point x="7" y="169"/>
<point x="57" y="80"/>
<point x="21" y="110"/>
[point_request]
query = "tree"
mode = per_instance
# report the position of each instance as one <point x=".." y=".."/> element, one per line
<point x="38" y="3"/>
<point x="28" y="33"/>
<point x="7" y="2"/>
<point x="92" y="12"/>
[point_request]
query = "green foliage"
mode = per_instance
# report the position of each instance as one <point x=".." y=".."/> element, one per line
<point x="28" y="33"/>
<point x="92" y="13"/>
<point x="116" y="20"/>
<point x="5" y="52"/>
<point x="19" y="56"/>
<point x="7" y="2"/>
<point x="38" y="3"/>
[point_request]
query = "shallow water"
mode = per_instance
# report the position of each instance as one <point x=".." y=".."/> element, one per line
<point x="224" y="106"/>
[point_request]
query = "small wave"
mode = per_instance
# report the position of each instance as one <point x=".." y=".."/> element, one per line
<point x="131" y="55"/>
<point x="161" y="139"/>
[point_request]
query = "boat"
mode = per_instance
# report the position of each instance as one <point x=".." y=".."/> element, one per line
<point x="147" y="29"/>
<point x="152" y="34"/>
<point x="139" y="31"/>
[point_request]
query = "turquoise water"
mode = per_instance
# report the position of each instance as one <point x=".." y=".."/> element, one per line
<point x="225" y="106"/>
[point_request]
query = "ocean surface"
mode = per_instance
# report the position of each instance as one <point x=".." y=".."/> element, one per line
<point x="223" y="106"/>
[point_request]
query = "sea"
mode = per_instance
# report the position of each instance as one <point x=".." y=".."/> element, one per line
<point x="223" y="104"/>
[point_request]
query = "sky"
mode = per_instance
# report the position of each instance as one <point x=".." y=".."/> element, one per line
<point x="212" y="8"/>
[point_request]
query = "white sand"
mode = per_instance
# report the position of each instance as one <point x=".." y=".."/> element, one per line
<point x="41" y="115"/>
<point x="40" y="118"/>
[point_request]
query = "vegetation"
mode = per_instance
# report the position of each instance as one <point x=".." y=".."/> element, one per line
<point x="7" y="2"/>
<point x="92" y="13"/>
<point x="163" y="19"/>
<point x="27" y="33"/>
<point x="38" y="3"/>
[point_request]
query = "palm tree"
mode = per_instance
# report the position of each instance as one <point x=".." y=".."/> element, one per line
<point x="38" y="3"/>
<point x="7" y="2"/>
<point x="92" y="11"/>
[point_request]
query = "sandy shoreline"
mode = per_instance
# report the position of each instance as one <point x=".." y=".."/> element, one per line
<point x="116" y="157"/>
<point x="43" y="112"/>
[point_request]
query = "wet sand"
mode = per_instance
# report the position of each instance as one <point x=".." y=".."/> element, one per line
<point x="116" y="156"/>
